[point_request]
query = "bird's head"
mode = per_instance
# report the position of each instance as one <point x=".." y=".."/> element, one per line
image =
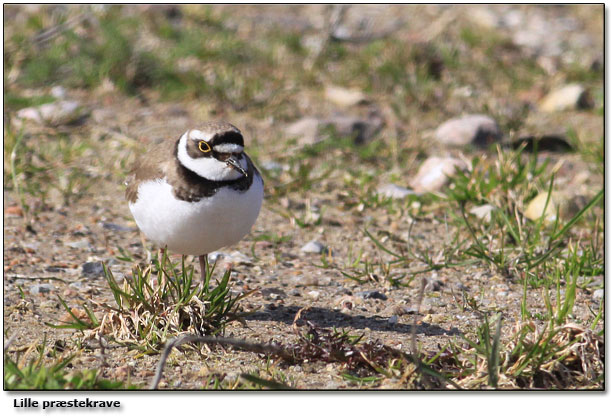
<point x="214" y="151"/>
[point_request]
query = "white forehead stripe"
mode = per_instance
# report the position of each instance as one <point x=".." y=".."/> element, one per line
<point x="199" y="135"/>
<point x="228" y="148"/>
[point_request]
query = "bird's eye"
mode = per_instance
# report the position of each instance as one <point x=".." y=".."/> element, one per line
<point x="204" y="147"/>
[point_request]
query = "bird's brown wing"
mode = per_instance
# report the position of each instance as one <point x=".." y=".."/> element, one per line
<point x="153" y="164"/>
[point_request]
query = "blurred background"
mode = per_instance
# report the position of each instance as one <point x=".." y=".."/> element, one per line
<point x="292" y="74"/>
<point x="462" y="145"/>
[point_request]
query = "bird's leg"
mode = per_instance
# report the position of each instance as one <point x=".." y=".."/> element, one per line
<point x="161" y="277"/>
<point x="203" y="267"/>
<point x="143" y="241"/>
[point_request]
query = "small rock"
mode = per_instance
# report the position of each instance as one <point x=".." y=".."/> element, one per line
<point x="293" y="292"/>
<point x="310" y="280"/>
<point x="116" y="227"/>
<point x="313" y="294"/>
<point x="346" y="303"/>
<point x="598" y="294"/>
<point x="461" y="287"/>
<point x="76" y="285"/>
<point x="344" y="97"/>
<point x="571" y="96"/>
<point x="480" y="130"/>
<point x="502" y="294"/>
<point x="393" y="191"/>
<point x="93" y="269"/>
<point x="233" y="258"/>
<point x="305" y="130"/>
<point x="13" y="211"/>
<point x="483" y="212"/>
<point x="406" y="310"/>
<point x="31" y="247"/>
<point x="272" y="166"/>
<point x="48" y="305"/>
<point x="56" y="113"/>
<point x="313" y="247"/>
<point x="78" y="244"/>
<point x="484" y="17"/>
<point x="58" y="92"/>
<point x="537" y="205"/>
<point x="40" y="289"/>
<point x="273" y="293"/>
<point x="310" y="130"/>
<point x="361" y="130"/>
<point x="434" y="173"/>
<point x="433" y="285"/>
<point x="393" y="320"/>
<point x="372" y="294"/>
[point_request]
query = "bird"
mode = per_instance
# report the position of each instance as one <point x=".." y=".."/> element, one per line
<point x="196" y="194"/>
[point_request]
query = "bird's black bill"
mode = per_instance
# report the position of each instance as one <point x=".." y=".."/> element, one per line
<point x="231" y="162"/>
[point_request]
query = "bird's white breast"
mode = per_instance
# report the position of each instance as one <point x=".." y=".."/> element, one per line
<point x="196" y="228"/>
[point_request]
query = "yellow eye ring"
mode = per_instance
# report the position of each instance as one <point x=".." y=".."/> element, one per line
<point x="204" y="147"/>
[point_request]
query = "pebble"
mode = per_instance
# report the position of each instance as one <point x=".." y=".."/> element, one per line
<point x="13" y="211"/>
<point x="394" y="191"/>
<point x="360" y="129"/>
<point x="234" y="258"/>
<point x="344" y="97"/>
<point x="78" y="244"/>
<point x="372" y="294"/>
<point x="40" y="288"/>
<point x="535" y="208"/>
<point x="434" y="173"/>
<point x="483" y="212"/>
<point x="461" y="287"/>
<point x="58" y="92"/>
<point x="273" y="293"/>
<point x="93" y="269"/>
<point x="393" y="320"/>
<point x="293" y="292"/>
<point x="480" y="130"/>
<point x="311" y="281"/>
<point x="116" y="227"/>
<point x="313" y="247"/>
<point x="570" y="96"/>
<point x="272" y="166"/>
<point x="433" y="285"/>
<point x="313" y="294"/>
<point x="484" y="17"/>
<point x="408" y="310"/>
<point x="48" y="305"/>
<point x="305" y="130"/>
<point x="346" y="303"/>
<point x="56" y="113"/>
<point x="310" y="130"/>
<point x="598" y="294"/>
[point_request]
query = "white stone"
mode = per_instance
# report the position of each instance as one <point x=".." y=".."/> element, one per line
<point x="394" y="191"/>
<point x="480" y="130"/>
<point x="434" y="173"/>
<point x="304" y="130"/>
<point x="537" y="206"/>
<point x="313" y="247"/>
<point x="483" y="212"/>
<point x="344" y="97"/>
<point x="57" y="112"/>
<point x="58" y="92"/>
<point x="568" y="97"/>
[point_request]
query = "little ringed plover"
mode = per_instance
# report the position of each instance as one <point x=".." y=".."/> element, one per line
<point x="196" y="194"/>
